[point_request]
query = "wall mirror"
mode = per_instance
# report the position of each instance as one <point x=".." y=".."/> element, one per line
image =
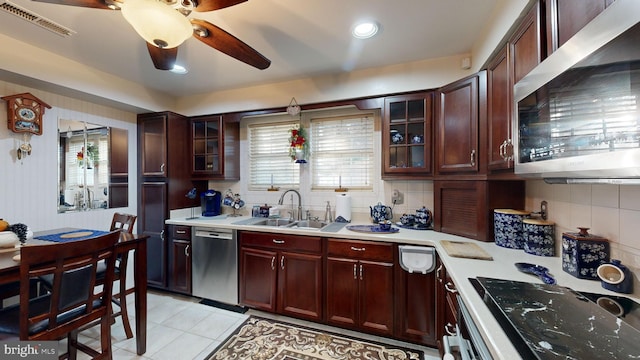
<point x="92" y="166"/>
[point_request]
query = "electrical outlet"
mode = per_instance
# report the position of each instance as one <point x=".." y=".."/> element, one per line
<point x="396" y="197"/>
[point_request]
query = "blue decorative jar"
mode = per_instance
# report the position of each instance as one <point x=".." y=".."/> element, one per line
<point x="508" y="227"/>
<point x="539" y="237"/>
<point x="583" y="253"/>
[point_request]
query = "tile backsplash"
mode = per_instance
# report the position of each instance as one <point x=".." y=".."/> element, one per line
<point x="610" y="211"/>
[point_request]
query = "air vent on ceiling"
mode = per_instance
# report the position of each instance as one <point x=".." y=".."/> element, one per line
<point x="34" y="18"/>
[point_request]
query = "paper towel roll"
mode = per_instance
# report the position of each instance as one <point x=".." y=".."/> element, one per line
<point x="343" y="206"/>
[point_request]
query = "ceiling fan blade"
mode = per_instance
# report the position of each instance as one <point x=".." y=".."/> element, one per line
<point x="210" y="5"/>
<point x="228" y="44"/>
<point x="163" y="59"/>
<point x="96" y="4"/>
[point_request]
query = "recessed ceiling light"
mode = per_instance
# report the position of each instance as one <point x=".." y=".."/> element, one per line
<point x="365" y="30"/>
<point x="177" y="69"/>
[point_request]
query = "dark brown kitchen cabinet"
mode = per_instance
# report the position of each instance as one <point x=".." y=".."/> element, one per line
<point x="526" y="47"/>
<point x="447" y="306"/>
<point x="465" y="207"/>
<point x="460" y="108"/>
<point x="500" y="112"/>
<point x="359" y="285"/>
<point x="564" y="18"/>
<point x="416" y="307"/>
<point x="165" y="179"/>
<point x="282" y="273"/>
<point x="118" y="168"/>
<point x="151" y="223"/>
<point x="406" y="136"/>
<point x="215" y="148"/>
<point x="180" y="258"/>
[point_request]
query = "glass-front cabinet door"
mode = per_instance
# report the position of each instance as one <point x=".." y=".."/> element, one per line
<point x="207" y="145"/>
<point x="406" y="136"/>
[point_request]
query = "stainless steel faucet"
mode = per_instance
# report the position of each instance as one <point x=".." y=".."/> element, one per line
<point x="299" y="201"/>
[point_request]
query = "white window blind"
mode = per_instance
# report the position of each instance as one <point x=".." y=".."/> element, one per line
<point x="75" y="170"/>
<point x="342" y="152"/>
<point x="269" y="158"/>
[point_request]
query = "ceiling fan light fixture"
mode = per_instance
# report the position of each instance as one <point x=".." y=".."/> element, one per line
<point x="365" y="30"/>
<point x="157" y="23"/>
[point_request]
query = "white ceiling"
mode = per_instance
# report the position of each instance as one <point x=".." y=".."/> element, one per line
<point x="302" y="38"/>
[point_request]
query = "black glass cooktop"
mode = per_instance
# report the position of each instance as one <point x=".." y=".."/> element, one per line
<point x="554" y="322"/>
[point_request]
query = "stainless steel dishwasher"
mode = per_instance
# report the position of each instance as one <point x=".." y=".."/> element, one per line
<point x="215" y="265"/>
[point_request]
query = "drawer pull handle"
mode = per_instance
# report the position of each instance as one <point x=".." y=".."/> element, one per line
<point x="276" y="241"/>
<point x="450" y="329"/>
<point x="181" y="232"/>
<point x="357" y="249"/>
<point x="438" y="273"/>
<point x="450" y="287"/>
<point x="186" y="250"/>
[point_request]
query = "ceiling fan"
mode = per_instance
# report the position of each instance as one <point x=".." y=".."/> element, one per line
<point x="164" y="26"/>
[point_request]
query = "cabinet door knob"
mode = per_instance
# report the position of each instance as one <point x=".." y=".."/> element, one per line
<point x="502" y="150"/>
<point x="282" y="262"/>
<point x="273" y="263"/>
<point x="355" y="275"/>
<point x="361" y="271"/>
<point x="438" y="273"/>
<point x="473" y="157"/>
<point x="186" y="250"/>
<point x="162" y="168"/>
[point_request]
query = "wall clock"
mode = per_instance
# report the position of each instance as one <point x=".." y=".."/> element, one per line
<point x="24" y="113"/>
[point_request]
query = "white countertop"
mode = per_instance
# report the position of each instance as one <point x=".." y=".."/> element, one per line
<point x="460" y="269"/>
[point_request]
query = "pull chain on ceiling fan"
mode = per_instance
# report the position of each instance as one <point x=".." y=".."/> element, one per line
<point x="164" y="26"/>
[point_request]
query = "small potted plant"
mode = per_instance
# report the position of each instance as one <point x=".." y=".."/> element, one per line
<point x="299" y="145"/>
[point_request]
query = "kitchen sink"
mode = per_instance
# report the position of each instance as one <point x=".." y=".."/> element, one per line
<point x="274" y="222"/>
<point x="308" y="224"/>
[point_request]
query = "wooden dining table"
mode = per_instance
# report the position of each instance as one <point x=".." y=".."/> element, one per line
<point x="10" y="271"/>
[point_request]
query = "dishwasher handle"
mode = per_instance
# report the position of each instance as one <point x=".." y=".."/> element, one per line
<point x="222" y="234"/>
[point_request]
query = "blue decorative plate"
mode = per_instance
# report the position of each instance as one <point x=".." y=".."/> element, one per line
<point x="371" y="229"/>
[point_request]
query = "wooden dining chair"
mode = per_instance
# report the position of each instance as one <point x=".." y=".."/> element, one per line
<point x="73" y="300"/>
<point x="122" y="222"/>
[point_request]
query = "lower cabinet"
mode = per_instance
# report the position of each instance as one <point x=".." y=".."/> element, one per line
<point x="180" y="259"/>
<point x="447" y="305"/>
<point x="416" y="307"/>
<point x="282" y="274"/>
<point x="360" y="286"/>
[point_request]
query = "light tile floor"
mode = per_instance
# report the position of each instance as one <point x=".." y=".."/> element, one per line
<point x="180" y="328"/>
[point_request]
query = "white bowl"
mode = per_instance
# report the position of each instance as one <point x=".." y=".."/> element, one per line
<point x="8" y="239"/>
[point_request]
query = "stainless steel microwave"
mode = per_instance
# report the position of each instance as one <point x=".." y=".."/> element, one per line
<point x="578" y="112"/>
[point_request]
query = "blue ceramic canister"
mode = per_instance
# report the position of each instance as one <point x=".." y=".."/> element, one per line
<point x="539" y="237"/>
<point x="508" y="227"/>
<point x="583" y="253"/>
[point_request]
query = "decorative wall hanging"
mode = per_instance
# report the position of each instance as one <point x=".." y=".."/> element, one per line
<point x="298" y="145"/>
<point x="24" y="113"/>
<point x="293" y="109"/>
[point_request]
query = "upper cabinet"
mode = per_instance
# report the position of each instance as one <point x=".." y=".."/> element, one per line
<point x="406" y="136"/>
<point x="499" y="112"/>
<point x="460" y="107"/>
<point x="215" y="148"/>
<point x="525" y="45"/>
<point x="564" y="18"/>
<point x="523" y="51"/>
<point x="152" y="130"/>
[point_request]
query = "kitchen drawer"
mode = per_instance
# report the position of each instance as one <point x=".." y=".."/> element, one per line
<point x="181" y="232"/>
<point x="361" y="250"/>
<point x="280" y="241"/>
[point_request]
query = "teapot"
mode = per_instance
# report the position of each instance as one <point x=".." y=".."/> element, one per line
<point x="423" y="218"/>
<point x="380" y="213"/>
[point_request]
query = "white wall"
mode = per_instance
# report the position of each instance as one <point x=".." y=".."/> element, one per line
<point x="29" y="187"/>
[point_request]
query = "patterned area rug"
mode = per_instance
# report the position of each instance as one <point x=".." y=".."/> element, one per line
<point x="266" y="339"/>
